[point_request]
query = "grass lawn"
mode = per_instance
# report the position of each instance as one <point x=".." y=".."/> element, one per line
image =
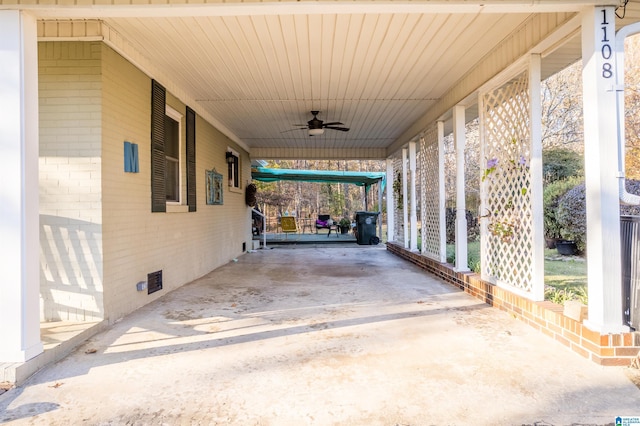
<point x="566" y="276"/>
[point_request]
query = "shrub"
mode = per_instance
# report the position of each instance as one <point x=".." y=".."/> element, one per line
<point x="560" y="163"/>
<point x="473" y="225"/>
<point x="550" y="197"/>
<point x="572" y="216"/>
<point x="572" y="212"/>
<point x="473" y="259"/>
<point x="560" y="296"/>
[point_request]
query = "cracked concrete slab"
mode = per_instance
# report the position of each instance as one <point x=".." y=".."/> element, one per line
<point x="321" y="336"/>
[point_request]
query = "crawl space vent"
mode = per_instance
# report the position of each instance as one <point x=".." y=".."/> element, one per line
<point x="154" y="282"/>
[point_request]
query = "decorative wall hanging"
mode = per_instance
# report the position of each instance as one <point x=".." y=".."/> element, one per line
<point x="131" y="157"/>
<point x="250" y="195"/>
<point x="214" y="187"/>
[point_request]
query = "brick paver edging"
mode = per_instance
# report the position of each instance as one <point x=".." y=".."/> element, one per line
<point x="604" y="349"/>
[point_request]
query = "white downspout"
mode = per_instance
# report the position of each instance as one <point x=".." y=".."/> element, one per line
<point x="622" y="34"/>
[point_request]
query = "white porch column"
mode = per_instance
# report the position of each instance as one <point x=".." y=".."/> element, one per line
<point x="459" y="138"/>
<point x="483" y="216"/>
<point x="535" y="168"/>
<point x="19" y="215"/>
<point x="380" y="209"/>
<point x="412" y="197"/>
<point x="441" y="194"/>
<point x="603" y="211"/>
<point x="405" y="201"/>
<point x="391" y="210"/>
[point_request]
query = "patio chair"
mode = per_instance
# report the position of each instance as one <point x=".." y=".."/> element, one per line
<point x="288" y="225"/>
<point x="323" y="222"/>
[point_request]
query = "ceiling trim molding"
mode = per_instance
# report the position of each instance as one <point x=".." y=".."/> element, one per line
<point x="319" y="153"/>
<point x="96" y="9"/>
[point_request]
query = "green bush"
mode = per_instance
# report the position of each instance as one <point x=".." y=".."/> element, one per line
<point x="560" y="296"/>
<point x="572" y="216"/>
<point x="572" y="212"/>
<point x="473" y="225"/>
<point x="473" y="260"/>
<point x="560" y="163"/>
<point x="550" y="197"/>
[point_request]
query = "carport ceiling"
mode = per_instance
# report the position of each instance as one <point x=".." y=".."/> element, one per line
<point x="376" y="73"/>
<point x="378" y="67"/>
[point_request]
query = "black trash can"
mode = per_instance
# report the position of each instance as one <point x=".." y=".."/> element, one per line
<point x="366" y="228"/>
<point x="630" y="251"/>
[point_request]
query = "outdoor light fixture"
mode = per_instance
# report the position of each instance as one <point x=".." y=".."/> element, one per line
<point x="229" y="157"/>
<point x="316" y="132"/>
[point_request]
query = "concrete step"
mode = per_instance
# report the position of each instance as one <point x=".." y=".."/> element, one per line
<point x="58" y="339"/>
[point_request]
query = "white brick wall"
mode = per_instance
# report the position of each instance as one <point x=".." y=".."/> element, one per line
<point x="184" y="246"/>
<point x="70" y="181"/>
<point x="98" y="235"/>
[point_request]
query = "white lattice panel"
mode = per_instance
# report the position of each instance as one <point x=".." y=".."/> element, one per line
<point x="430" y="194"/>
<point x="507" y="179"/>
<point x="417" y="189"/>
<point x="397" y="202"/>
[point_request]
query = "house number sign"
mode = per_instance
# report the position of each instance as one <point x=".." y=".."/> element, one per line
<point x="607" y="35"/>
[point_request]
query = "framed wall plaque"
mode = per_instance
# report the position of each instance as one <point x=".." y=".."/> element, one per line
<point x="214" y="187"/>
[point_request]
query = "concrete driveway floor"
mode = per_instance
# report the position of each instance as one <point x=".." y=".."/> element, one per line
<point x="321" y="336"/>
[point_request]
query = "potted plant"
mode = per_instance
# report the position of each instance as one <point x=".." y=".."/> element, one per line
<point x="344" y="224"/>
<point x="566" y="247"/>
<point x="504" y="220"/>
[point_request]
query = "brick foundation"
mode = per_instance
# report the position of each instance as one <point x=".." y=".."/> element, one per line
<point x="547" y="317"/>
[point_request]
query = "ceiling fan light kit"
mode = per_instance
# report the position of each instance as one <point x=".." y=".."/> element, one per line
<point x="316" y="126"/>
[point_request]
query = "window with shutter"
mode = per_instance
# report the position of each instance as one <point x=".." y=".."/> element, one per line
<point x="167" y="155"/>
<point x="158" y="189"/>
<point x="191" y="159"/>
<point x="233" y="168"/>
<point x="172" y="158"/>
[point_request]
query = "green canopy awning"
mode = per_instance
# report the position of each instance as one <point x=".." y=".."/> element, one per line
<point x="265" y="174"/>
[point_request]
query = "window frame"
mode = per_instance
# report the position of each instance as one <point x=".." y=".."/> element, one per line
<point x="233" y="171"/>
<point x="176" y="116"/>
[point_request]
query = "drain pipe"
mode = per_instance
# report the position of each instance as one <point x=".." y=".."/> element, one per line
<point x="621" y="35"/>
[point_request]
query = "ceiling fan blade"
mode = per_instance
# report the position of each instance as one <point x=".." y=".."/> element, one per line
<point x="291" y="130"/>
<point x="342" y="129"/>
<point x="334" y="123"/>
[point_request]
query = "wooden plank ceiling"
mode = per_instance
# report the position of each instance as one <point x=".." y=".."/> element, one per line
<point x="378" y="73"/>
<point x="260" y="75"/>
